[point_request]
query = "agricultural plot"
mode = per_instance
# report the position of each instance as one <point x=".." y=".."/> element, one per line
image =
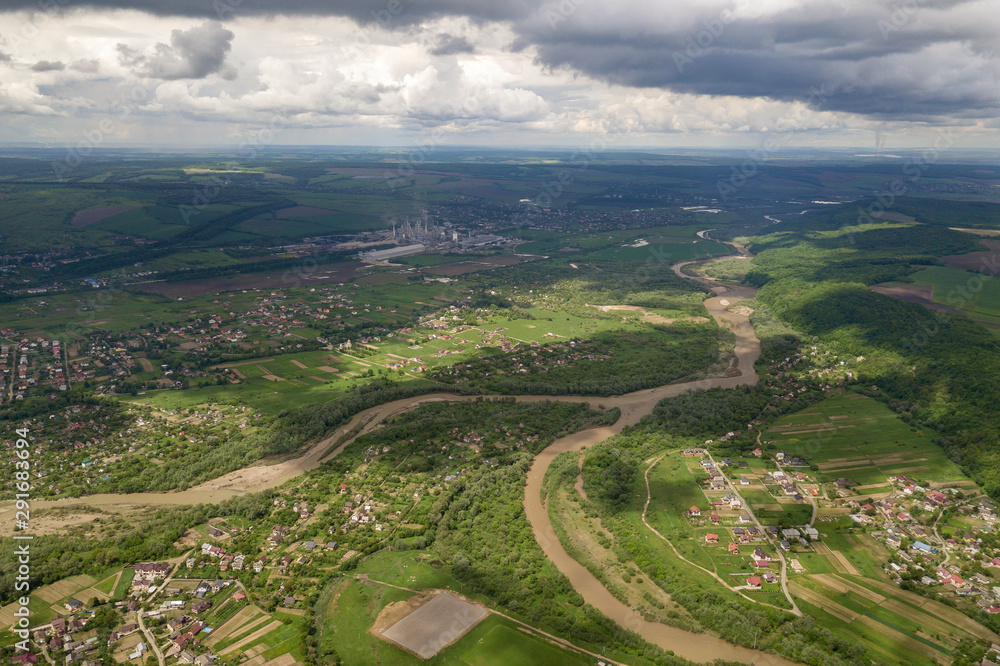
<point x="977" y="297"/>
<point x="350" y="610"/>
<point x="899" y="625"/>
<point x="437" y="623"/>
<point x="858" y="438"/>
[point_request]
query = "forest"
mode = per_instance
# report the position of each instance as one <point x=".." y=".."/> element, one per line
<point x="609" y="363"/>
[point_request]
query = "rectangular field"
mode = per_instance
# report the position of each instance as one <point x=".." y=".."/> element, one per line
<point x="441" y="621"/>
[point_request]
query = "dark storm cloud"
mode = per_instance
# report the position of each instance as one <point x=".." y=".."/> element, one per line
<point x="401" y="12"/>
<point x="47" y="66"/>
<point x="451" y="45"/>
<point x="887" y="58"/>
<point x="191" y="54"/>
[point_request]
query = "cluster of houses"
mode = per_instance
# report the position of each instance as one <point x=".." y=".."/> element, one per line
<point x="30" y="363"/>
<point x="918" y="548"/>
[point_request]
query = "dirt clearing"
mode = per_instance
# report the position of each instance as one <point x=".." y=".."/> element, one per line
<point x="914" y="294"/>
<point x="88" y="216"/>
<point x="435" y="625"/>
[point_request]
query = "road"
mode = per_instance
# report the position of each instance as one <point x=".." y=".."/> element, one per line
<point x="149" y="637"/>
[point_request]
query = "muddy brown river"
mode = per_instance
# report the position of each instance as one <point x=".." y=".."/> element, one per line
<point x="634" y="406"/>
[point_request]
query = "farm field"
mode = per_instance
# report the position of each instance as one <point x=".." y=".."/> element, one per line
<point x="856" y="437"/>
<point x="899" y="625"/>
<point x="979" y="298"/>
<point x="352" y="608"/>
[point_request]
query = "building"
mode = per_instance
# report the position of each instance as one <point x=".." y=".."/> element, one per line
<point x="393" y="253"/>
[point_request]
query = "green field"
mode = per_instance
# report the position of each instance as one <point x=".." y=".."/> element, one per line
<point x="351" y="610"/>
<point x="976" y="295"/>
<point x="858" y="438"/>
<point x="121" y="589"/>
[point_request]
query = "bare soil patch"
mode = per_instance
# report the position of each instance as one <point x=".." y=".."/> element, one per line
<point x="88" y="216"/>
<point x="303" y="211"/>
<point x="435" y="625"/>
<point x="299" y="364"/>
<point x="648" y="316"/>
<point x="914" y="294"/>
<point x="973" y="261"/>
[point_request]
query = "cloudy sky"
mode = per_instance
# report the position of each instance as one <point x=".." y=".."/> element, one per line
<point x="653" y="73"/>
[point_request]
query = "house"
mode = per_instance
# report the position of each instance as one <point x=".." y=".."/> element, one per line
<point x="711" y="537"/>
<point x="754" y="581"/>
<point x="73" y="605"/>
<point x="745" y="518"/>
<point x="762" y="564"/>
<point x="744" y="481"/>
<point x="733" y="548"/>
<point x="923" y="547"/>
<point x="770" y="577"/>
<point x="289" y="601"/>
<point x="201" y="606"/>
<point x="759" y="554"/>
<point x="714" y="518"/>
<point x="694" y="512"/>
<point x="152" y="569"/>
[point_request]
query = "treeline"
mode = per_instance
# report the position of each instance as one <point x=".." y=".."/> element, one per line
<point x="122" y="541"/>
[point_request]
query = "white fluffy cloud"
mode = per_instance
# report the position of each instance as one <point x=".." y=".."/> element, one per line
<point x="602" y="68"/>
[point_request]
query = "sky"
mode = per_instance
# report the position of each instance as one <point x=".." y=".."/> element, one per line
<point x="876" y="74"/>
